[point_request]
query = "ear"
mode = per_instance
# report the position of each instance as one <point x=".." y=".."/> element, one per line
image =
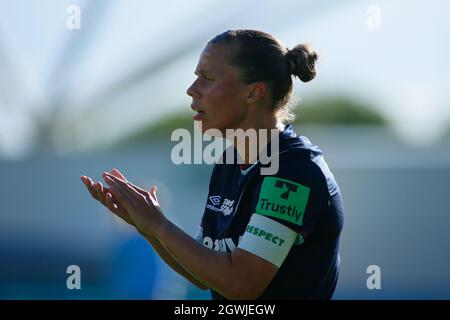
<point x="256" y="92"/>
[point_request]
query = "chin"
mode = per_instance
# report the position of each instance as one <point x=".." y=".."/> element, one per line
<point x="213" y="130"/>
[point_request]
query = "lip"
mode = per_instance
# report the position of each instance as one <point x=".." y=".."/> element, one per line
<point x="198" y="116"/>
<point x="199" y="113"/>
<point x="196" y="108"/>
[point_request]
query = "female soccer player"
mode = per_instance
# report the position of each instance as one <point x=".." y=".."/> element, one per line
<point x="261" y="236"/>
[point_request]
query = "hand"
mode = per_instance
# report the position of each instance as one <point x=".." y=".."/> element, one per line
<point x="98" y="192"/>
<point x="141" y="206"/>
<point x="104" y="196"/>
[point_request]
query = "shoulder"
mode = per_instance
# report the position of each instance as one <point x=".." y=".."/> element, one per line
<point x="306" y="166"/>
<point x="301" y="165"/>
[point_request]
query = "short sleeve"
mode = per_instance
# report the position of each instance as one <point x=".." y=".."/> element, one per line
<point x="285" y="209"/>
<point x="199" y="234"/>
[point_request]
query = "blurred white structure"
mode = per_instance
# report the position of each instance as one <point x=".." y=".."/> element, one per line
<point x="131" y="62"/>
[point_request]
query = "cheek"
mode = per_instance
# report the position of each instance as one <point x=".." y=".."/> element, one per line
<point x="225" y="99"/>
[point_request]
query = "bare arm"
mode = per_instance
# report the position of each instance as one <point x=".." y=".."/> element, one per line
<point x="236" y="275"/>
<point x="239" y="275"/>
<point x="101" y="194"/>
<point x="172" y="262"/>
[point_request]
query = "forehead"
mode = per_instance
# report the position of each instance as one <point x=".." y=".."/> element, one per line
<point x="214" y="58"/>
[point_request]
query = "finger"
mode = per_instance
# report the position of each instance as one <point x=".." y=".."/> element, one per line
<point x="89" y="184"/>
<point x="119" y="191"/>
<point x="131" y="185"/>
<point x="117" y="209"/>
<point x="153" y="194"/>
<point x="127" y="188"/>
<point x="118" y="174"/>
<point x="91" y="188"/>
<point x="100" y="194"/>
<point x="110" y="204"/>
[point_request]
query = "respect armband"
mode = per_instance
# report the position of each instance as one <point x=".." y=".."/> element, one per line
<point x="267" y="239"/>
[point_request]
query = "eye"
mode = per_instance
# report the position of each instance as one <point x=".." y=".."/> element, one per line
<point x="205" y="77"/>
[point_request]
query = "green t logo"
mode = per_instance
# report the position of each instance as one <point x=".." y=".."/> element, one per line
<point x="283" y="199"/>
<point x="290" y="187"/>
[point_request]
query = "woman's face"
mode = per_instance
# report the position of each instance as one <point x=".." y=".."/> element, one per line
<point x="218" y="96"/>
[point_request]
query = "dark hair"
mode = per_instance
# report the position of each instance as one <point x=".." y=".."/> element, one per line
<point x="261" y="57"/>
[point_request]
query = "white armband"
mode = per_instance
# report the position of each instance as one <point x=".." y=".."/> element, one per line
<point x="267" y="239"/>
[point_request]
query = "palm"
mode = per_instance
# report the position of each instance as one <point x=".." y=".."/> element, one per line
<point x="104" y="196"/>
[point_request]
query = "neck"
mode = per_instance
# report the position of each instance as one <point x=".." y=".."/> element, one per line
<point x="254" y="138"/>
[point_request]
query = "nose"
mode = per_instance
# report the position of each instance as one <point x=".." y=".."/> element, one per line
<point x="192" y="90"/>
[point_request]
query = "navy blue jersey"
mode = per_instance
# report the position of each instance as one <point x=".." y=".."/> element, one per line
<point x="292" y="219"/>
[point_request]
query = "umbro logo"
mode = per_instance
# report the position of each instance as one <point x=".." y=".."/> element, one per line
<point x="215" y="200"/>
<point x="226" y="208"/>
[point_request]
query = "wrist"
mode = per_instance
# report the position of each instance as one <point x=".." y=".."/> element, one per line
<point x="143" y="232"/>
<point x="155" y="230"/>
<point x="162" y="229"/>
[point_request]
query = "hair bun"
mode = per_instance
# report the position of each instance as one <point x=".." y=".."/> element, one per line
<point x="302" y="62"/>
